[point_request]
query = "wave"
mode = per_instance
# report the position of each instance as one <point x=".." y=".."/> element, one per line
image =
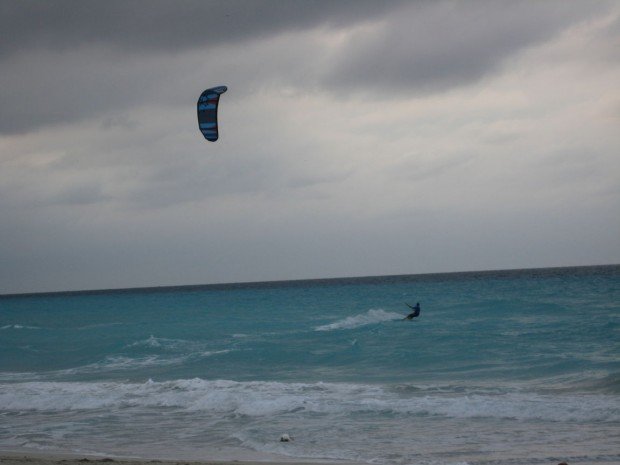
<point x="119" y="362"/>
<point x="608" y="383"/>
<point x="363" y="319"/>
<point x="110" y="364"/>
<point x="18" y="326"/>
<point x="153" y="342"/>
<point x="273" y="399"/>
<point x="12" y="377"/>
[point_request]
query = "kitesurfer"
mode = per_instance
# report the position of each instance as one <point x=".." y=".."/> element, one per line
<point x="416" y="311"/>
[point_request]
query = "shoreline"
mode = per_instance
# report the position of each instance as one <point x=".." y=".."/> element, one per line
<point x="67" y="458"/>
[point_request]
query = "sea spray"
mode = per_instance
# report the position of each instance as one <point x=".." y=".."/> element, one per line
<point x="363" y="319"/>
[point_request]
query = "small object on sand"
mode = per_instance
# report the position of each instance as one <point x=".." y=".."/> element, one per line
<point x="285" y="438"/>
<point x="562" y="463"/>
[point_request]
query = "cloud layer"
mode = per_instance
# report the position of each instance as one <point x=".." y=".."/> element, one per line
<point x="357" y="138"/>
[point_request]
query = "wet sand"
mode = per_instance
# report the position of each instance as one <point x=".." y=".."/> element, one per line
<point x="15" y="458"/>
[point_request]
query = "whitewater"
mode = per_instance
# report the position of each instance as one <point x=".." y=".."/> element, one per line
<point x="501" y="367"/>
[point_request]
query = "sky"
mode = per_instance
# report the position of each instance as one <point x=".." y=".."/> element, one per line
<point x="357" y="138"/>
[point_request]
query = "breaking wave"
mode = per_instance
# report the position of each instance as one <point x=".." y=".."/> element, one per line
<point x="269" y="399"/>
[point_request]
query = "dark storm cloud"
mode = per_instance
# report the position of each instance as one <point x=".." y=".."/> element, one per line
<point x="49" y="88"/>
<point x="435" y="46"/>
<point x="141" y="25"/>
<point x="69" y="60"/>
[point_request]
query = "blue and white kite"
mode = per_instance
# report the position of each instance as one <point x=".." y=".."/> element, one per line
<point x="207" y="112"/>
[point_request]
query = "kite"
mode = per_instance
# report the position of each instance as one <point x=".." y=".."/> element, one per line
<point x="207" y="112"/>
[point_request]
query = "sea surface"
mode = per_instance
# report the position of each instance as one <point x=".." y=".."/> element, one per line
<point x="504" y="367"/>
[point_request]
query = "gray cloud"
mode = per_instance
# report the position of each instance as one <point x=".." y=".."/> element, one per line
<point x="51" y="88"/>
<point x="435" y="46"/>
<point x="473" y="135"/>
<point x="68" y="60"/>
<point x="150" y="25"/>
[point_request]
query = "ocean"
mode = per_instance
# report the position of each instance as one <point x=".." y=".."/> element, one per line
<point x="501" y="367"/>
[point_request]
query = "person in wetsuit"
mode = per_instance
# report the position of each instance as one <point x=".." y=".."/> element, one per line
<point x="416" y="311"/>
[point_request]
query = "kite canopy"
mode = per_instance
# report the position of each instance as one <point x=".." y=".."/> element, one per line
<point x="207" y="112"/>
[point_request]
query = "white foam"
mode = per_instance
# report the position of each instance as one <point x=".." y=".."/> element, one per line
<point x="522" y="406"/>
<point x="353" y="422"/>
<point x="269" y="399"/>
<point x="154" y="342"/>
<point x="362" y="319"/>
<point x="17" y="326"/>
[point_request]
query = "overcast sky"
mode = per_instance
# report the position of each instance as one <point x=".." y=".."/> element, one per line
<point x="356" y="138"/>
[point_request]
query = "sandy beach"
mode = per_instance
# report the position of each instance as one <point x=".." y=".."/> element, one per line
<point x="15" y="458"/>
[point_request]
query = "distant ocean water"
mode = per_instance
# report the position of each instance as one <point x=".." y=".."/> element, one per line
<point x="507" y="367"/>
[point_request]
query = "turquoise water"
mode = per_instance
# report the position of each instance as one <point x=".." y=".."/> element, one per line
<point x="500" y="367"/>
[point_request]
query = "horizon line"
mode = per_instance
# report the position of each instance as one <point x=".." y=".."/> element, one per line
<point x="275" y="282"/>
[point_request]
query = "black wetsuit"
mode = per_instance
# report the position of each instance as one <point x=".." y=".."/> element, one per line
<point x="416" y="311"/>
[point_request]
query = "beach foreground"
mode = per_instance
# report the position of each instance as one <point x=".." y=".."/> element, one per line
<point x="8" y="458"/>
